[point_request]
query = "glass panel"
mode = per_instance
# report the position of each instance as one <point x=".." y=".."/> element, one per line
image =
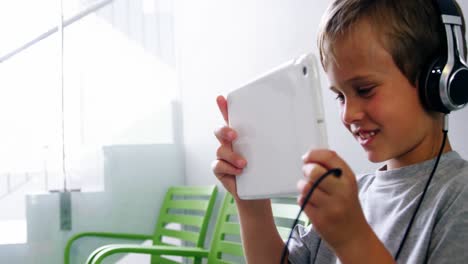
<point x="23" y="20"/>
<point x="30" y="138"/>
<point x="118" y="92"/>
<point x="114" y="133"/>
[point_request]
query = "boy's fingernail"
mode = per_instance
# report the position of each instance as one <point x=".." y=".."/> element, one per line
<point x="240" y="163"/>
<point x="301" y="185"/>
<point x="231" y="135"/>
<point x="300" y="199"/>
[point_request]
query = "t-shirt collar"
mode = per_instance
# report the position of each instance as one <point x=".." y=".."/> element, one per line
<point x="411" y="172"/>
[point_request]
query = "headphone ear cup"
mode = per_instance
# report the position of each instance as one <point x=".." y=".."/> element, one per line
<point x="458" y="89"/>
<point x="429" y="86"/>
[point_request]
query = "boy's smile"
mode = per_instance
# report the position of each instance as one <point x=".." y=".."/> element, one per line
<point x="379" y="106"/>
<point x="364" y="137"/>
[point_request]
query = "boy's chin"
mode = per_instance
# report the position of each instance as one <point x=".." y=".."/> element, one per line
<point x="375" y="157"/>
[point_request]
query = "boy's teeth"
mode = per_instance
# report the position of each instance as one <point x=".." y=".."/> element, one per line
<point x="367" y="135"/>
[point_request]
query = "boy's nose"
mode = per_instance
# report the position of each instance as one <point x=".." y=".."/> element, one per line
<point x="351" y="112"/>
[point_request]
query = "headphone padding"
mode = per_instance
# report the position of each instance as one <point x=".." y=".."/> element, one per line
<point x="429" y="86"/>
<point x="459" y="87"/>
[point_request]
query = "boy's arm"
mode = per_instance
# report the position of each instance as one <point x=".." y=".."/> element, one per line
<point x="260" y="238"/>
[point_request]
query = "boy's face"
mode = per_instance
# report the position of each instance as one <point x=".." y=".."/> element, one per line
<point x="379" y="106"/>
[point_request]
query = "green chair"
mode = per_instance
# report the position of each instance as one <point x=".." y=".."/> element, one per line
<point x="187" y="206"/>
<point x="226" y="245"/>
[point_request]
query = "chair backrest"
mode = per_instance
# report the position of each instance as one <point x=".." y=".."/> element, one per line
<point x="184" y="217"/>
<point x="285" y="212"/>
<point x="226" y="246"/>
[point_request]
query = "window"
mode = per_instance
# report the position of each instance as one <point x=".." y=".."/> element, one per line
<point x="119" y="87"/>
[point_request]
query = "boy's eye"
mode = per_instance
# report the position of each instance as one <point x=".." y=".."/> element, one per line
<point x="365" y="91"/>
<point x="340" y="97"/>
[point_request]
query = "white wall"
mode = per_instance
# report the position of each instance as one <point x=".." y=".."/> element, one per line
<point x="458" y="124"/>
<point x="223" y="44"/>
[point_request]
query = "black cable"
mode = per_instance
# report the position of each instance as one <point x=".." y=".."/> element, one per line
<point x="408" y="228"/>
<point x="319" y="243"/>
<point x="337" y="173"/>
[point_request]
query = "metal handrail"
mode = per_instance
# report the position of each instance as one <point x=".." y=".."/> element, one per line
<point x="55" y="29"/>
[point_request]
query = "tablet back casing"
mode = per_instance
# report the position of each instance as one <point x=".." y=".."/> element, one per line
<point x="278" y="118"/>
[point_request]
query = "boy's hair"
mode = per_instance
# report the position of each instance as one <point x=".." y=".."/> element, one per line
<point x="410" y="30"/>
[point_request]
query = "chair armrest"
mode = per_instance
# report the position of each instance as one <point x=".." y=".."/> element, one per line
<point x="99" y="254"/>
<point x="101" y="234"/>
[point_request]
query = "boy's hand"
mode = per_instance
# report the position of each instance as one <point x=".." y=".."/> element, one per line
<point x="334" y="207"/>
<point x="228" y="163"/>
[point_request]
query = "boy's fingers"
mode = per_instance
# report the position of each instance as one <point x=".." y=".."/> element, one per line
<point x="312" y="172"/>
<point x="326" y="158"/>
<point x="222" y="168"/>
<point x="222" y="105"/>
<point x="226" y="154"/>
<point x="225" y="135"/>
<point x="318" y="198"/>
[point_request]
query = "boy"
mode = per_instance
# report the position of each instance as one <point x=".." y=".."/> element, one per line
<point x="373" y="53"/>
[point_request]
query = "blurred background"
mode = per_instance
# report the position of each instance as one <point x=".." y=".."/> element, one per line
<point x="113" y="101"/>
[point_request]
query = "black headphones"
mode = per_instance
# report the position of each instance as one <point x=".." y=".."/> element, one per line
<point x="443" y="83"/>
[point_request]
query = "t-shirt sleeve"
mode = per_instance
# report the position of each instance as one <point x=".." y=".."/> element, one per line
<point x="303" y="241"/>
<point x="450" y="237"/>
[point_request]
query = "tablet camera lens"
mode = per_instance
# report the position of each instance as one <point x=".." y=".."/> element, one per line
<point x="304" y="70"/>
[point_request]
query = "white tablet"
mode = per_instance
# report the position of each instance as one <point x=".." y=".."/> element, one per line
<point x="278" y="118"/>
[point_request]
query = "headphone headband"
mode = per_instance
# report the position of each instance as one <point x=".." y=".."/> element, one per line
<point x="445" y="82"/>
<point x="450" y="15"/>
<point x="448" y="8"/>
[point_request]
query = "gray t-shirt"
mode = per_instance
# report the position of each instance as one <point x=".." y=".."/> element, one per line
<point x="389" y="197"/>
